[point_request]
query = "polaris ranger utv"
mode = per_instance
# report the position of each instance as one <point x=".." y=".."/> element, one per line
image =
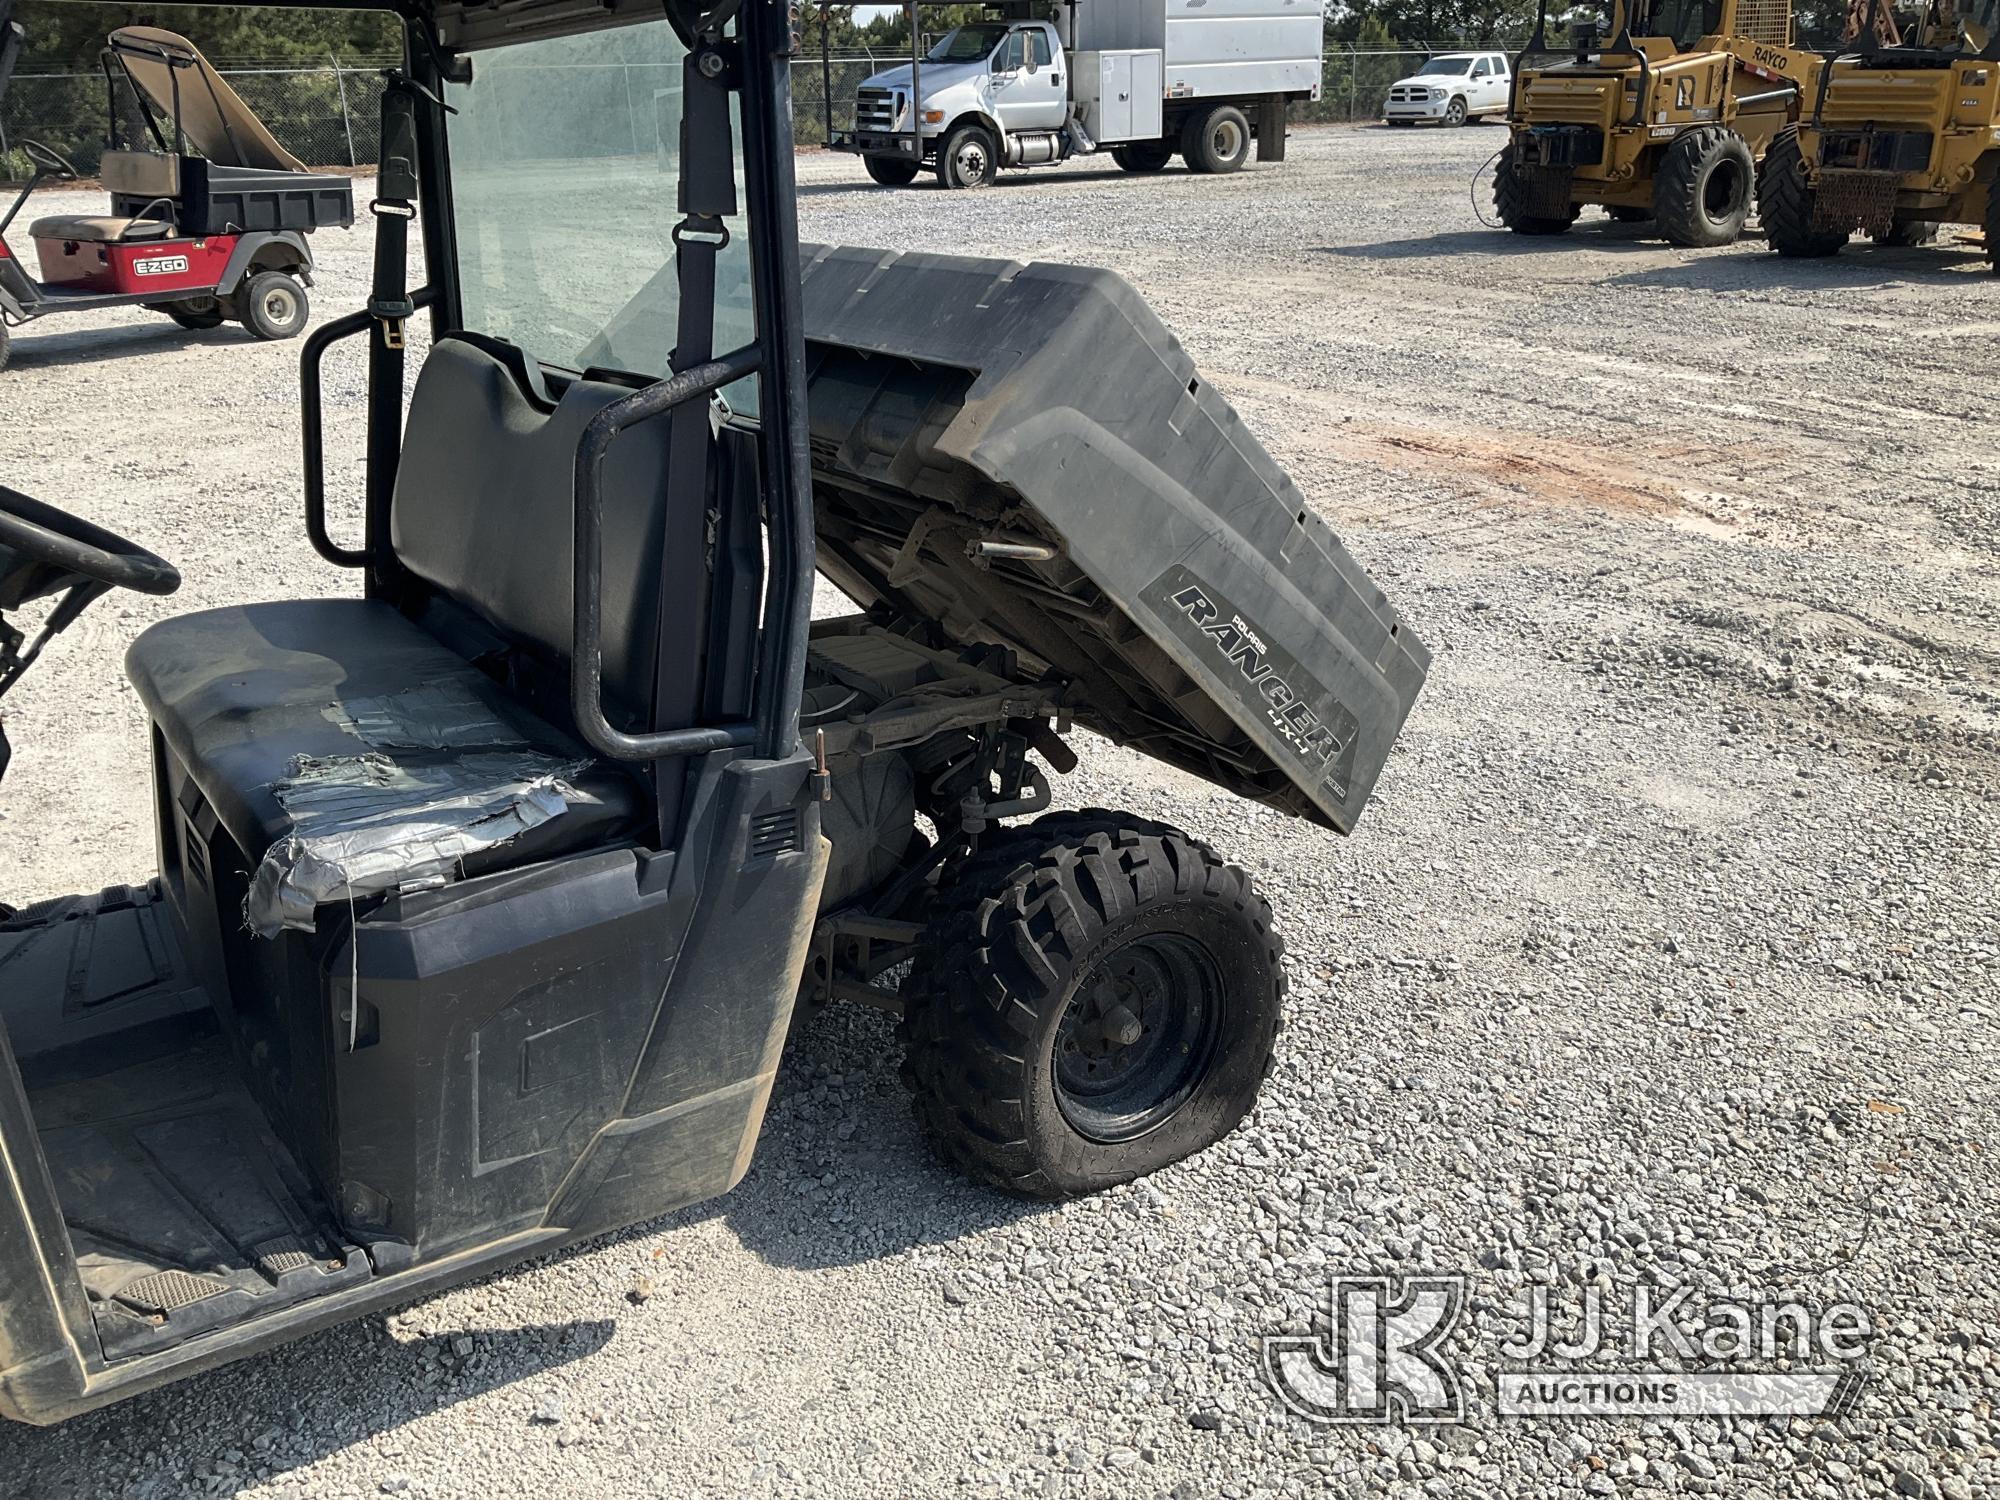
<point x="486" y="898"/>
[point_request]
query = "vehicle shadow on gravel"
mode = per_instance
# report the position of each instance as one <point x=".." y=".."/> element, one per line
<point x="1008" y="181"/>
<point x="1691" y="270"/>
<point x="89" y="345"/>
<point x="840" y="1112"/>
<point x="283" y="1411"/>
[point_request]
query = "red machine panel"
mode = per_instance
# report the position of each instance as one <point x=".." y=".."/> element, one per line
<point x="136" y="267"/>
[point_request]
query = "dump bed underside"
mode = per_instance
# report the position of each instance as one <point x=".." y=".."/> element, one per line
<point x="1024" y="456"/>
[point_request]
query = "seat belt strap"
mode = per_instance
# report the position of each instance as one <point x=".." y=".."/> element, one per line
<point x="706" y="198"/>
<point x="389" y="305"/>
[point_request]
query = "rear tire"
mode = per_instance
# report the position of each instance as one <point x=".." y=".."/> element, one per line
<point x="1908" y="234"/>
<point x="1217" y="140"/>
<point x="1510" y="200"/>
<point x="1785" y="201"/>
<point x="194" y="314"/>
<point x="273" y="305"/>
<point x="970" y="158"/>
<point x="1098" y="996"/>
<point x="890" y="171"/>
<point x="1702" y="192"/>
<point x="1142" y="156"/>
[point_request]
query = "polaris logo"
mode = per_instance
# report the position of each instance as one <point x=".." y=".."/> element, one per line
<point x="160" y="265"/>
<point x="1312" y="723"/>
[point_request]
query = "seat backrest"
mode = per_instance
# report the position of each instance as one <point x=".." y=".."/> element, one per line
<point x="483" y="514"/>
<point x="141" y="174"/>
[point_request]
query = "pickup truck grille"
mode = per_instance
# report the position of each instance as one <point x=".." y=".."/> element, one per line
<point x="1410" y="94"/>
<point x="875" y="109"/>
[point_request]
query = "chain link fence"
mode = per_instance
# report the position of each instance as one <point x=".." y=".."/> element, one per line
<point x="328" y="116"/>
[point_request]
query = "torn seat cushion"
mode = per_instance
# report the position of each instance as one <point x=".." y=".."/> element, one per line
<point x="89" y="228"/>
<point x="243" y="696"/>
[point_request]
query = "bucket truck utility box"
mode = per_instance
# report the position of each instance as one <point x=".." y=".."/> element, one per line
<point x="1121" y="95"/>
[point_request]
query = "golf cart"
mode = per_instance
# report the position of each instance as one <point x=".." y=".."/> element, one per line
<point x="487" y="895"/>
<point x="209" y="225"/>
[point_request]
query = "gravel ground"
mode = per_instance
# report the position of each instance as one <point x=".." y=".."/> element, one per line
<point x="1666" y="950"/>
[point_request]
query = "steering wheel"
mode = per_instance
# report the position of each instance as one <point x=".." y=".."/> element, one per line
<point x="43" y="534"/>
<point x="54" y="161"/>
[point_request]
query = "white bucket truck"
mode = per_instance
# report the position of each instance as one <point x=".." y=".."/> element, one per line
<point x="1142" y="79"/>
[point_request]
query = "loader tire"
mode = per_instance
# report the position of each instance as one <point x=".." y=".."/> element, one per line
<point x="1702" y="191"/>
<point x="1785" y="201"/>
<point x="6" y="348"/>
<point x="1098" y="996"/>
<point x="1510" y="200"/>
<point x="1217" y="140"/>
<point x="1142" y="156"/>
<point x="891" y="171"/>
<point x="970" y="158"/>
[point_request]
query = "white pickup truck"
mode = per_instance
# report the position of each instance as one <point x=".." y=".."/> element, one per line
<point x="1451" y="89"/>
<point x="1142" y="79"/>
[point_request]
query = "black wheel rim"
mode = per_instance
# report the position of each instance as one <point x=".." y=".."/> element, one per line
<point x="1721" y="192"/>
<point x="1139" y="1036"/>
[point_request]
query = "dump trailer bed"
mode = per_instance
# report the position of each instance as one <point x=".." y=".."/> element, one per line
<point x="1025" y="455"/>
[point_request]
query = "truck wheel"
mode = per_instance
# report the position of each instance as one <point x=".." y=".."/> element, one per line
<point x="1511" y="198"/>
<point x="272" y="305"/>
<point x="1098" y="996"/>
<point x="1218" y="141"/>
<point x="1142" y="156"/>
<point x="1701" y="193"/>
<point x="1785" y="201"/>
<point x="1455" y="112"/>
<point x="970" y="158"/>
<point x="891" y="171"/>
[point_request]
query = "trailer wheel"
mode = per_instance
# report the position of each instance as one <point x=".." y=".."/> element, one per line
<point x="1701" y="193"/>
<point x="891" y="171"/>
<point x="1142" y="156"/>
<point x="272" y="305"/>
<point x="1217" y="141"/>
<point x="970" y="158"/>
<point x="1098" y="996"/>
<point x="1785" y="201"/>
<point x="1511" y="199"/>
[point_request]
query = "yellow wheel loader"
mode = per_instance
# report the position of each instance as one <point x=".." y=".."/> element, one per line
<point x="1901" y="134"/>
<point x="1664" y="121"/>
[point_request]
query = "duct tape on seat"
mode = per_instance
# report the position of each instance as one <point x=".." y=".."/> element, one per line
<point x="363" y="825"/>
<point x="441" y="776"/>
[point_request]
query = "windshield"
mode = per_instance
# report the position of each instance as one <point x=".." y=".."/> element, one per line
<point x="1685" y="21"/>
<point x="1457" y="67"/>
<point x="967" y="43"/>
<point x="565" y="160"/>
